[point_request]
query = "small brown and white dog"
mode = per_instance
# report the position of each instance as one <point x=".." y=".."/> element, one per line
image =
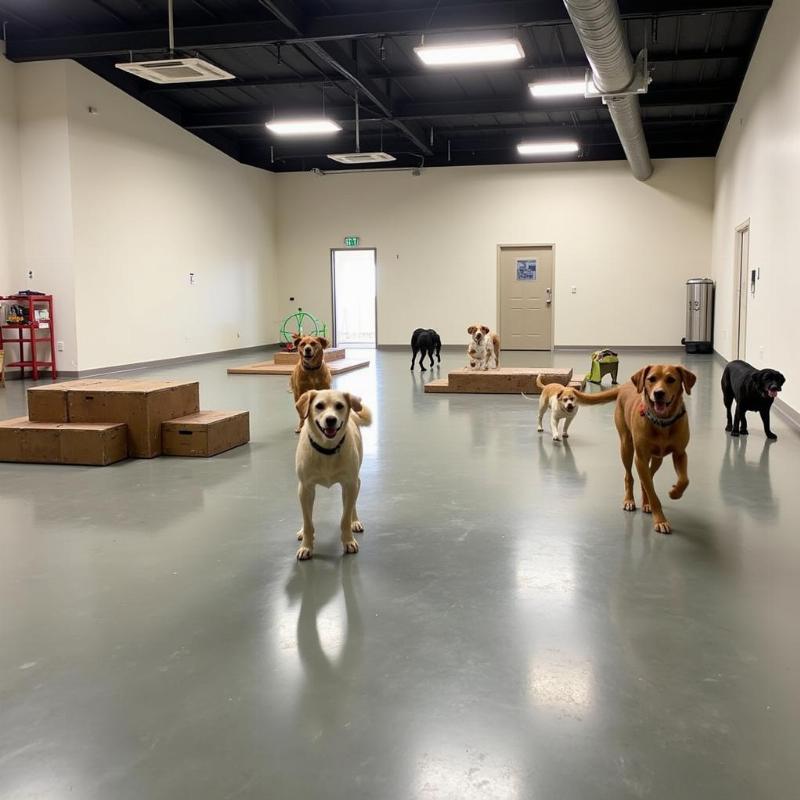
<point x="563" y="405"/>
<point x="311" y="371"/>
<point x="330" y="451"/>
<point x="484" y="349"/>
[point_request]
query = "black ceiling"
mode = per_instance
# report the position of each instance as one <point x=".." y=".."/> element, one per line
<point x="295" y="55"/>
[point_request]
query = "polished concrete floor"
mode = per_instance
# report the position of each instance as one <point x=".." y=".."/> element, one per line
<point x="506" y="631"/>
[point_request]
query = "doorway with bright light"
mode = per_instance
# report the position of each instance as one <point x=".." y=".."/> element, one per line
<point x="354" y="297"/>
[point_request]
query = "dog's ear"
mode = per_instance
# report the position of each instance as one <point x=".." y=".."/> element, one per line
<point x="689" y="379"/>
<point x="354" y="401"/>
<point x="560" y="391"/>
<point x="484" y="329"/>
<point x="296" y="338"/>
<point x="304" y="402"/>
<point x="323" y="342"/>
<point x="638" y="378"/>
<point x="472" y="329"/>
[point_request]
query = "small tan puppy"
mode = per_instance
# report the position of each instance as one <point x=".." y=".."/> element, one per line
<point x="311" y="371"/>
<point x="563" y="405"/>
<point x="330" y="451"/>
<point x="484" y="349"/>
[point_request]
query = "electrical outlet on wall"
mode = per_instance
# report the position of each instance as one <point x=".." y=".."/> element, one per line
<point x="192" y="279"/>
<point x="29" y="274"/>
<point x="573" y="289"/>
<point x="60" y="347"/>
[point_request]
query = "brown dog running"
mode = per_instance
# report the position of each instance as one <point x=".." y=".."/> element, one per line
<point x="652" y="423"/>
<point x="311" y="371"/>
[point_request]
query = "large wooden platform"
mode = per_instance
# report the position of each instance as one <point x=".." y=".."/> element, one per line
<point x="505" y="380"/>
<point x="337" y="366"/>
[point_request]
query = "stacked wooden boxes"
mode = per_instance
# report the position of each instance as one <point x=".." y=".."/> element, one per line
<point x="99" y="422"/>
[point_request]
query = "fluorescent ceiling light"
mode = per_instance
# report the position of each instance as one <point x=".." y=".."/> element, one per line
<point x="546" y="148"/>
<point x="470" y="52"/>
<point x="298" y="127"/>
<point x="557" y="88"/>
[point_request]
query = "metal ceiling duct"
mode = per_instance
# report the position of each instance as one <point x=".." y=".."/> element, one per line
<point x="599" y="28"/>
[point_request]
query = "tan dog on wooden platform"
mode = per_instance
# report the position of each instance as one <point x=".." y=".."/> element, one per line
<point x="563" y="405"/>
<point x="652" y="423"/>
<point x="330" y="451"/>
<point x="484" y="349"/>
<point x="311" y="371"/>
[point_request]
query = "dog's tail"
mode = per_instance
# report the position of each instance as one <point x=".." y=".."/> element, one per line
<point x="597" y="398"/>
<point x="363" y="418"/>
<point x="540" y="383"/>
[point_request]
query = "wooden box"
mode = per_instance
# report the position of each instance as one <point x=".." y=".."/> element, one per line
<point x="205" y="433"/>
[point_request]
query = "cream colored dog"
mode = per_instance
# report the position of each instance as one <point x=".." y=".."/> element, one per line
<point x="563" y="405"/>
<point x="484" y="349"/>
<point x="330" y="451"/>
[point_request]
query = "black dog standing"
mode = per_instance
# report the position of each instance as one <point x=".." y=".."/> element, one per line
<point x="425" y="341"/>
<point x="753" y="390"/>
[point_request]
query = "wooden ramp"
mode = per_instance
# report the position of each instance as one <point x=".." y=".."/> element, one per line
<point x="505" y="380"/>
<point x="337" y="366"/>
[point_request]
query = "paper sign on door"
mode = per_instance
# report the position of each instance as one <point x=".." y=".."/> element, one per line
<point x="526" y="269"/>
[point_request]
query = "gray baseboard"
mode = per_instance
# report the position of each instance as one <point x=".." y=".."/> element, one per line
<point x="407" y="347"/>
<point x="659" y="348"/>
<point x="164" y="362"/>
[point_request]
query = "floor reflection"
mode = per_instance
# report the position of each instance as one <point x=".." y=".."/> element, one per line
<point x="746" y="484"/>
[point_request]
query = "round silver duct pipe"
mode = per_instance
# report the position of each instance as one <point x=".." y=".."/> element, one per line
<point x="599" y="28"/>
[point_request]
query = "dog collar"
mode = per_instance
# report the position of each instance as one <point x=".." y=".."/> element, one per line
<point x="307" y="368"/>
<point x="660" y="422"/>
<point x="324" y="450"/>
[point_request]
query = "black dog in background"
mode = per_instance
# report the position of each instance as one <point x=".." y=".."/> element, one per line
<point x="426" y="342"/>
<point x="753" y="390"/>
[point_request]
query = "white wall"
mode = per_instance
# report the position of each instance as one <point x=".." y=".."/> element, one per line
<point x="758" y="177"/>
<point x="152" y="203"/>
<point x="10" y="187"/>
<point x="47" y="197"/>
<point x="627" y="246"/>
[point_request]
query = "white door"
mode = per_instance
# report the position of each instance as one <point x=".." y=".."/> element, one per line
<point x="741" y="279"/>
<point x="354" y="323"/>
<point x="525" y="303"/>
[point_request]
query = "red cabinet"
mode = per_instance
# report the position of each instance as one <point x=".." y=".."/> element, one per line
<point x="34" y="336"/>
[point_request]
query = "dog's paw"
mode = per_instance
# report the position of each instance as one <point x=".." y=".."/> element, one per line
<point x="646" y="508"/>
<point x="728" y="427"/>
<point x="357" y="526"/>
<point x="556" y="438"/>
<point x="734" y="433"/>
<point x="629" y="505"/>
<point x="676" y="492"/>
<point x="565" y="436"/>
<point x="540" y="429"/>
<point x="744" y="432"/>
<point x="662" y="527"/>
<point x="304" y="553"/>
<point x="350" y="547"/>
<point x="772" y="436"/>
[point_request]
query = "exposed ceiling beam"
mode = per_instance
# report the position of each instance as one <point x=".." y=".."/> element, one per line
<point x="401" y="22"/>
<point x="730" y="54"/>
<point x="721" y="94"/>
<point x="288" y="14"/>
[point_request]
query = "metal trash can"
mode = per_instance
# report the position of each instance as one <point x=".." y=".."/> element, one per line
<point x="699" y="316"/>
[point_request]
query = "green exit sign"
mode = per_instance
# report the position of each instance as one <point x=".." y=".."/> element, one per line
<point x="351" y="241"/>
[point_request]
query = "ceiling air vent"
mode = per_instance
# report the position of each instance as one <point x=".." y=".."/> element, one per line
<point x="360" y="158"/>
<point x="176" y="70"/>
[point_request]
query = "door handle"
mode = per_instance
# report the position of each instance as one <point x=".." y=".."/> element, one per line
<point x="548" y="295"/>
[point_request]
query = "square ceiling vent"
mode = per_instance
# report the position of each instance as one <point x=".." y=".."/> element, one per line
<point x="360" y="158"/>
<point x="176" y="70"/>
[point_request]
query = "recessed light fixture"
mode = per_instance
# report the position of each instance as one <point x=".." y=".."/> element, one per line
<point x="301" y="127"/>
<point x="546" y="148"/>
<point x="470" y="53"/>
<point x="557" y="88"/>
